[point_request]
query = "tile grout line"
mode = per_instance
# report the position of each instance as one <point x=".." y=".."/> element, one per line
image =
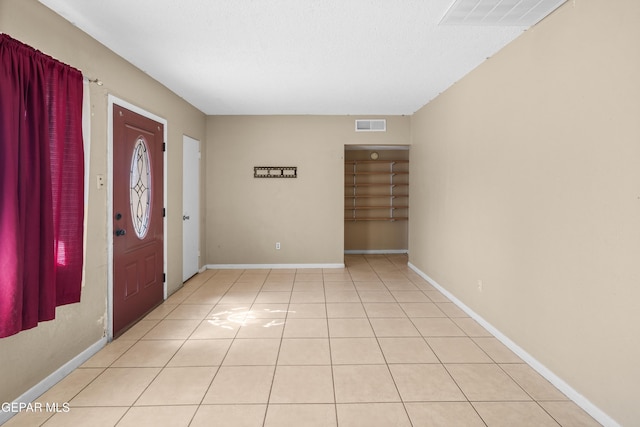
<point x="219" y="367"/>
<point x="333" y="380"/>
<point x="441" y="363"/>
<point x="404" y="406"/>
<point x="275" y="367"/>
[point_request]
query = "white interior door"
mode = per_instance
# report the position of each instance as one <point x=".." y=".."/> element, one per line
<point x="190" y="207"/>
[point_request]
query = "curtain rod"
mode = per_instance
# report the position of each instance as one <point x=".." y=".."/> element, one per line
<point x="96" y="81"/>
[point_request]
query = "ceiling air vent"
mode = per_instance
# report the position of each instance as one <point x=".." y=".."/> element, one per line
<point x="500" y="13"/>
<point x="371" y="125"/>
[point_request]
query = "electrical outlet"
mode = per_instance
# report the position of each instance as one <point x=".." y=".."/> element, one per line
<point x="278" y="245"/>
<point x="480" y="285"/>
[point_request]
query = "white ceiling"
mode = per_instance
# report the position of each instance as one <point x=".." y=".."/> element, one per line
<point x="357" y="57"/>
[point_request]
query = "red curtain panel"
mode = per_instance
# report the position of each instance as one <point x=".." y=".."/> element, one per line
<point x="41" y="186"/>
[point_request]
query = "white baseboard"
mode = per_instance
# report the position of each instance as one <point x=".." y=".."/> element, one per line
<point x="375" y="251"/>
<point x="36" y="391"/>
<point x="558" y="382"/>
<point x="269" y="266"/>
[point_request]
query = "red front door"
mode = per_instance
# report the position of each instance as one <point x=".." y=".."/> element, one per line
<point x="137" y="217"/>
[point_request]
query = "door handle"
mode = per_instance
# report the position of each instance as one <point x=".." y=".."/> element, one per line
<point x="185" y="217"/>
<point x="120" y="232"/>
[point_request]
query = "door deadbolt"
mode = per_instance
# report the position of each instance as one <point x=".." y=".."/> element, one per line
<point x="120" y="232"/>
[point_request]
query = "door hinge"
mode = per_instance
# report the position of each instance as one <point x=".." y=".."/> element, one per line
<point x="164" y="146"/>
<point x="164" y="277"/>
<point x="164" y="212"/>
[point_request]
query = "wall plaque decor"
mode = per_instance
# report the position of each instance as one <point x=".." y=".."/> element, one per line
<point x="275" y="171"/>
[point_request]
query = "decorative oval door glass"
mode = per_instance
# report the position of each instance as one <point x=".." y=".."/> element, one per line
<point x="140" y="188"/>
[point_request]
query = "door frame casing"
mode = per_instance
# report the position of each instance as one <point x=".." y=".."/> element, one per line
<point x="111" y="100"/>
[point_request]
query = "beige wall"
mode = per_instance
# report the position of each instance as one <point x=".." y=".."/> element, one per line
<point x="246" y="216"/>
<point x="526" y="175"/>
<point x="31" y="355"/>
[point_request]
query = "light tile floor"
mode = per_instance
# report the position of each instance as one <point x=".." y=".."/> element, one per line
<point x="369" y="345"/>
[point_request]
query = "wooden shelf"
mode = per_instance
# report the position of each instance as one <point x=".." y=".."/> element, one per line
<point x="381" y="196"/>
<point x="355" y="208"/>
<point x="375" y="173"/>
<point x="386" y="218"/>
<point x="375" y="185"/>
<point x="366" y="176"/>
<point x="387" y="162"/>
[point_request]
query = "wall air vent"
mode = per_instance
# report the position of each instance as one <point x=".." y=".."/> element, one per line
<point x="371" y="125"/>
<point x="500" y="13"/>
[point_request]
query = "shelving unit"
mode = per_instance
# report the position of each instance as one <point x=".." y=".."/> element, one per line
<point x="376" y="190"/>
